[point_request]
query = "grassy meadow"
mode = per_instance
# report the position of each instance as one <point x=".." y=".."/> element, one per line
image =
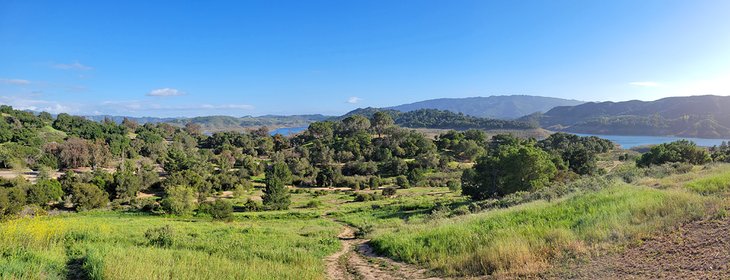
<point x="109" y="245"/>
<point x="526" y="239"/>
<point x="433" y="228"/>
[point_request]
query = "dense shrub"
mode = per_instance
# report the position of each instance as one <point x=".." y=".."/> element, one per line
<point x="252" y="206"/>
<point x="453" y="185"/>
<point x="179" y="200"/>
<point x="88" y="196"/>
<point x="402" y="182"/>
<point x="219" y="209"/>
<point x="389" y="192"/>
<point x="162" y="236"/>
<point x="313" y="204"/>
<point x="513" y="165"/>
<point x="374" y="182"/>
<point x="682" y="151"/>
<point x="44" y="191"/>
<point x="12" y="200"/>
<point x="362" y="197"/>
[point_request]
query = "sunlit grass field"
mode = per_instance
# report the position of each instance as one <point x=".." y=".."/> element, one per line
<point x="525" y="239"/>
<point x="110" y="245"/>
<point x="430" y="227"/>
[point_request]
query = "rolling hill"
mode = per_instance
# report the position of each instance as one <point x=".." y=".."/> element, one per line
<point x="442" y="119"/>
<point x="221" y="123"/>
<point x="499" y="107"/>
<point x="704" y="116"/>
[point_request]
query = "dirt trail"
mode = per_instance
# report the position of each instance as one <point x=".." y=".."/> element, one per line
<point x="697" y="250"/>
<point x="358" y="261"/>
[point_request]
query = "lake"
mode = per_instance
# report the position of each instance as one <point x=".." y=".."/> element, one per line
<point x="628" y="142"/>
<point x="286" y="131"/>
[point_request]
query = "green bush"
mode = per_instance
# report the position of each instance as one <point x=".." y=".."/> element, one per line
<point x="388" y="192"/>
<point x="220" y="210"/>
<point x="513" y="165"/>
<point x="162" y="236"/>
<point x="678" y="151"/>
<point x="374" y="182"/>
<point x="44" y="191"/>
<point x="402" y="182"/>
<point x="453" y="185"/>
<point x="362" y="197"/>
<point x="252" y="205"/>
<point x="88" y="196"/>
<point x="313" y="204"/>
<point x="180" y="200"/>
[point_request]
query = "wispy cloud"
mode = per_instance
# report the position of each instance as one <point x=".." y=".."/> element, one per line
<point x="53" y="107"/>
<point x="72" y="66"/>
<point x="354" y="100"/>
<point x="18" y="82"/>
<point x="135" y="106"/>
<point x="165" y="92"/>
<point x="645" y="84"/>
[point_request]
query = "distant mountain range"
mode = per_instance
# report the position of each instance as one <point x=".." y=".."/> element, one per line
<point x="497" y="107"/>
<point x="705" y="116"/>
<point x="694" y="116"/>
<point x="220" y="123"/>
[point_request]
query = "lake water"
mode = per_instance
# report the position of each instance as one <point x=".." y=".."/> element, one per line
<point x="286" y="131"/>
<point x="628" y="142"/>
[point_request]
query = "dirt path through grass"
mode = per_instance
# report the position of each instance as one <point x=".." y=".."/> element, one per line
<point x="357" y="261"/>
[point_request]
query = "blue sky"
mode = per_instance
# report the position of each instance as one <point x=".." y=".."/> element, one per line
<point x="187" y="58"/>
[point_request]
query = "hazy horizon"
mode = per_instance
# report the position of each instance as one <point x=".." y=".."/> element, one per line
<point x="167" y="59"/>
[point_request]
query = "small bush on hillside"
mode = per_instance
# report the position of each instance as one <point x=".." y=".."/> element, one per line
<point x="628" y="173"/>
<point x="180" y="200"/>
<point x="454" y="185"/>
<point x="374" y="182"/>
<point x="402" y="182"/>
<point x="252" y="206"/>
<point x="12" y="200"/>
<point x="661" y="171"/>
<point x="147" y="204"/>
<point x="387" y="192"/>
<point x="221" y="210"/>
<point x="313" y="204"/>
<point x="461" y="210"/>
<point x="44" y="191"/>
<point x="362" y="197"/>
<point x="161" y="236"/>
<point x="319" y="193"/>
<point x="88" y="196"/>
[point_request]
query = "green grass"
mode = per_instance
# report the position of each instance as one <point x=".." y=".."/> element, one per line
<point x="526" y="239"/>
<point x="113" y="246"/>
<point x="713" y="184"/>
<point x="417" y="226"/>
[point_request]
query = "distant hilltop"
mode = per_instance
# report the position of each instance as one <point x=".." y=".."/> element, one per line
<point x="496" y="107"/>
<point x="706" y="116"/>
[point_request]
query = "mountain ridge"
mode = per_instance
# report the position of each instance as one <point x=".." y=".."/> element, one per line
<point x="703" y="116"/>
<point x="495" y="106"/>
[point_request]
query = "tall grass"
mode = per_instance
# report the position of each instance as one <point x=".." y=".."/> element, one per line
<point x="113" y="246"/>
<point x="526" y="239"/>
<point x="712" y="184"/>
